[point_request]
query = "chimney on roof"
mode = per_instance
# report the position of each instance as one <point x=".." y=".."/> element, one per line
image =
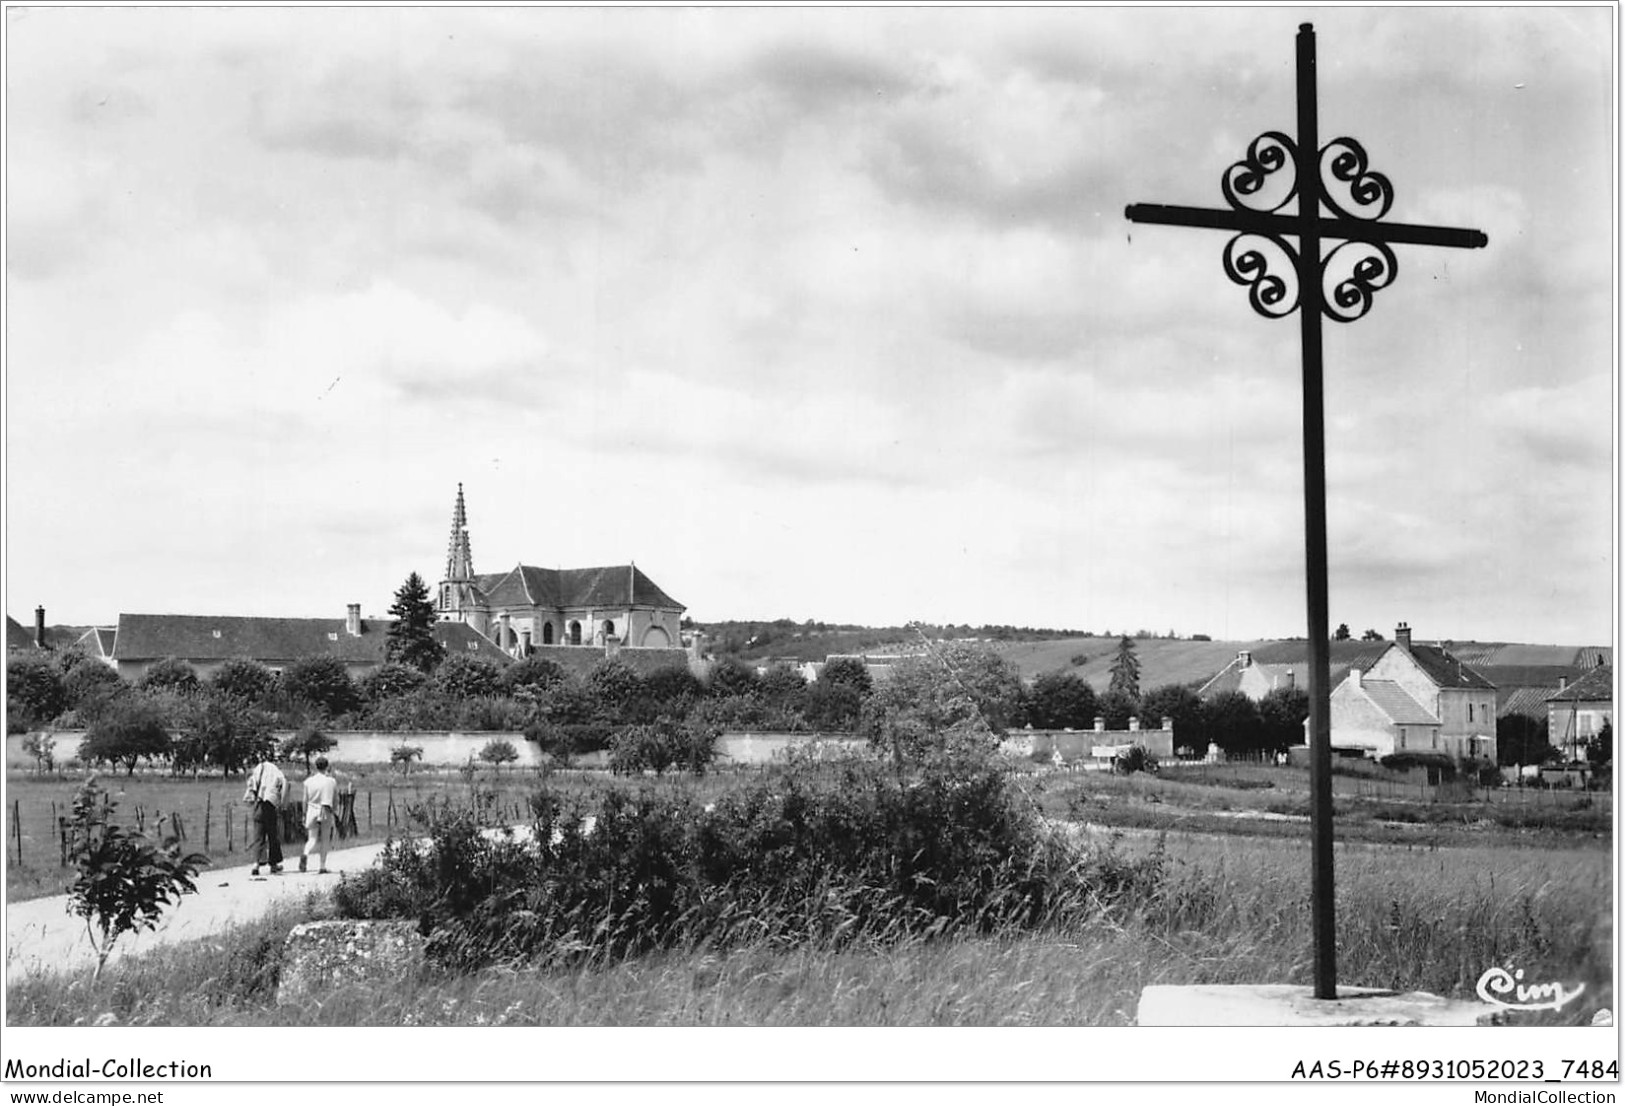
<point x="352" y="619"/>
<point x="1354" y="675"/>
<point x="1562" y="682"/>
<point x="1244" y="659"/>
<point x="39" y="627"/>
<point x="1402" y="635"/>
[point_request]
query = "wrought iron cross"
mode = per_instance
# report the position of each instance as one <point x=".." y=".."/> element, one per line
<point x="1339" y="285"/>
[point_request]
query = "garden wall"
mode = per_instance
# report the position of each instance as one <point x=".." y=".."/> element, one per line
<point x="441" y="747"/>
<point x="763" y="748"/>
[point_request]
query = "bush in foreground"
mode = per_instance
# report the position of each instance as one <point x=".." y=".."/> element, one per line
<point x="852" y="852"/>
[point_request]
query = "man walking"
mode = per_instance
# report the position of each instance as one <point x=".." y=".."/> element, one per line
<point x="321" y="793"/>
<point x="266" y="788"/>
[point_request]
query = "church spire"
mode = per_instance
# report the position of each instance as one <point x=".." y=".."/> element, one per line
<point x="459" y="560"/>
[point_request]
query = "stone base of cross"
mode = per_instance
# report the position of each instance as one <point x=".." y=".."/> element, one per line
<point x="1284" y="1005"/>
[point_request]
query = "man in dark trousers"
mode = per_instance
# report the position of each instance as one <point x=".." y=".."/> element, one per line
<point x="266" y="788"/>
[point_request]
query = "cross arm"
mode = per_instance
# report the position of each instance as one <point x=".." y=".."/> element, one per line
<point x="1258" y="222"/>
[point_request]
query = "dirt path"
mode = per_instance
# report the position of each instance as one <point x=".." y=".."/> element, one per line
<point x="41" y="935"/>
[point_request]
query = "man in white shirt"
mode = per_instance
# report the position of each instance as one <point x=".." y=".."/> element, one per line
<point x="266" y="788"/>
<point x="321" y="795"/>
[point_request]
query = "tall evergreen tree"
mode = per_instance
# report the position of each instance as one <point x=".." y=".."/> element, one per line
<point x="1126" y="669"/>
<point x="411" y="638"/>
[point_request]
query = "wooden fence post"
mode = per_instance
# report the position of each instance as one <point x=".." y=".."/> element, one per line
<point x="17" y="828"/>
<point x="208" y="810"/>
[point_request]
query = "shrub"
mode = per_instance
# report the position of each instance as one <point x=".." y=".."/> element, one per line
<point x="391" y="681"/>
<point x="172" y="674"/>
<point x="402" y="756"/>
<point x="531" y="677"/>
<point x="322" y="682"/>
<point x="91" y="688"/>
<point x="731" y="677"/>
<point x="492" y="712"/>
<point x="35" y="683"/>
<point x="123" y="879"/>
<point x="564" y="742"/>
<point x="461" y="676"/>
<point x="847" y="672"/>
<point x="838" y="852"/>
<point x="498" y="752"/>
<point x="243" y="679"/>
<point x="663" y="745"/>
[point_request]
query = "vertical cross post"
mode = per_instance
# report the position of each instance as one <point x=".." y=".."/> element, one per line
<point x="1322" y="899"/>
<point x="1256" y="257"/>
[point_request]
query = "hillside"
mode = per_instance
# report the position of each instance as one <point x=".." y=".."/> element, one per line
<point x="1162" y="660"/>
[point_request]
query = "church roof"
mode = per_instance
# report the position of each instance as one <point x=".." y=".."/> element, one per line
<point x="562" y="588"/>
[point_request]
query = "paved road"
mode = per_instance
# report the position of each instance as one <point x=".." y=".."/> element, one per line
<point x="42" y="936"/>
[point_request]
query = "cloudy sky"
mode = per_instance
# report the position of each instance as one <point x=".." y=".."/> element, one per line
<point x="812" y="313"/>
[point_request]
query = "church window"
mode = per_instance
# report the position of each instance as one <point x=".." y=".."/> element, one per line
<point x="575" y="633"/>
<point x="547" y="633"/>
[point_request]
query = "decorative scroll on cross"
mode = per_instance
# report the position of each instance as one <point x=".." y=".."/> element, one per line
<point x="1282" y="278"/>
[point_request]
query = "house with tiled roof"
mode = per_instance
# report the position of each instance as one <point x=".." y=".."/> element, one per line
<point x="1579" y="710"/>
<point x="527" y="610"/>
<point x="208" y="641"/>
<point x="1270" y="666"/>
<point x="1450" y="694"/>
<point x="18" y="639"/>
<point x="97" y="643"/>
<point x="1378" y="718"/>
<point x="1253" y="679"/>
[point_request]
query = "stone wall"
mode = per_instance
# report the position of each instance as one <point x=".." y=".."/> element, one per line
<point x="1084" y="745"/>
<point x="748" y="748"/>
<point x="440" y="747"/>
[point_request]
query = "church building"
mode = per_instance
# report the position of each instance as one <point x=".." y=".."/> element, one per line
<point x="528" y="609"/>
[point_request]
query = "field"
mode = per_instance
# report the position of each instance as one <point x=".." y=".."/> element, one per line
<point x="1259" y="801"/>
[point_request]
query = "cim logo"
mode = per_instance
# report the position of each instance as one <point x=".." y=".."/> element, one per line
<point x="1496" y="983"/>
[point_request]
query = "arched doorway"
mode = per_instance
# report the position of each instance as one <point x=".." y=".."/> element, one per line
<point x="609" y="630"/>
<point x="575" y="633"/>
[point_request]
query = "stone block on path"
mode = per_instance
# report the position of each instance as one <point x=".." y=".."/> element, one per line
<point x="320" y="956"/>
<point x="1284" y="1005"/>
